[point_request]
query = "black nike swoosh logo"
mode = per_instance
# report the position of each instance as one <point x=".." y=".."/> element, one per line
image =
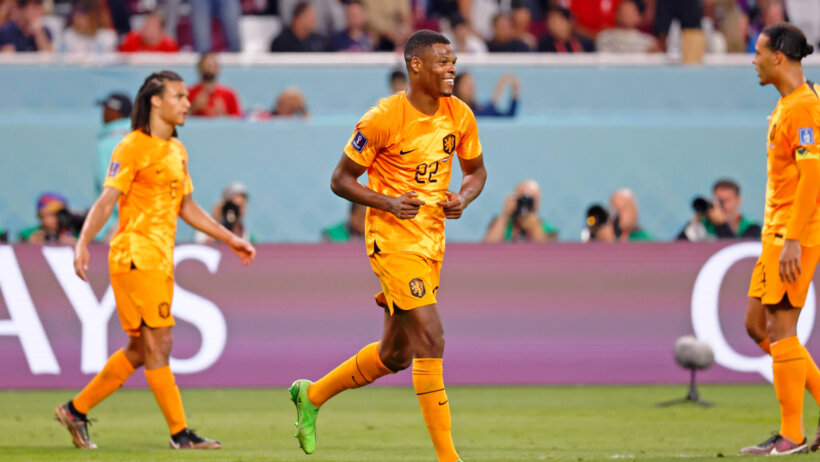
<point x="442" y="404"/>
<point x="406" y="152"/>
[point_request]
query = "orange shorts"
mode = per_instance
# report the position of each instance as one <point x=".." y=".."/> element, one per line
<point x="143" y="297"/>
<point x="408" y="280"/>
<point x="766" y="284"/>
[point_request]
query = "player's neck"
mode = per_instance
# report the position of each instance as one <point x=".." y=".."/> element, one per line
<point x="426" y="104"/>
<point x="160" y="128"/>
<point x="792" y="80"/>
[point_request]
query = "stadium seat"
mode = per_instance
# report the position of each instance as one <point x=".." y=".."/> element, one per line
<point x="256" y="32"/>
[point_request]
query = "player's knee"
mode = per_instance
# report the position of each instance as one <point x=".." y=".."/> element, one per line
<point x="396" y="360"/>
<point x="755" y="330"/>
<point x="160" y="347"/>
<point x="432" y="344"/>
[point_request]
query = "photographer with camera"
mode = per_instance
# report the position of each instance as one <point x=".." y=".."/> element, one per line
<point x="598" y="226"/>
<point x="519" y="220"/>
<point x="230" y="213"/>
<point x="719" y="217"/>
<point x="58" y="224"/>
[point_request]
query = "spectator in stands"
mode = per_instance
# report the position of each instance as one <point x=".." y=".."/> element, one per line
<point x="598" y="225"/>
<point x="228" y="13"/>
<point x="560" y="38"/>
<point x="720" y="217"/>
<point x="150" y="38"/>
<point x="592" y="16"/>
<point x="4" y="235"/>
<point x="521" y="16"/>
<point x="354" y="37"/>
<point x="504" y="40"/>
<point x="230" y="212"/>
<point x="299" y="35"/>
<point x="390" y="22"/>
<point x="55" y="222"/>
<point x="24" y="31"/>
<point x="351" y="229"/>
<point x="398" y="81"/>
<point x="330" y="14"/>
<point x="210" y="98"/>
<point x="116" y="124"/>
<point x="805" y="14"/>
<point x="290" y="103"/>
<point x="464" y="89"/>
<point x="463" y="38"/>
<point x="771" y="12"/>
<point x="626" y="38"/>
<point x="90" y="30"/>
<point x="6" y="9"/>
<point x="624" y="210"/>
<point x="519" y="220"/>
<point x="689" y="13"/>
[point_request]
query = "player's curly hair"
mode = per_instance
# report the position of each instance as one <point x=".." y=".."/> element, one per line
<point x="421" y="40"/>
<point x="154" y="85"/>
<point x="789" y="40"/>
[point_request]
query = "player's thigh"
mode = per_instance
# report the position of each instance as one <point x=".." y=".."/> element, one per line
<point x="408" y="280"/>
<point x="799" y="290"/>
<point x="395" y="348"/>
<point x="424" y="330"/>
<point x="143" y="297"/>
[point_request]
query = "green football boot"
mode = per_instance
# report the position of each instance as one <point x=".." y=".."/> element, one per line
<point x="306" y="414"/>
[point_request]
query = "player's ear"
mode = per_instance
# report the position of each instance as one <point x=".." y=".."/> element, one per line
<point x="156" y="100"/>
<point x="415" y="64"/>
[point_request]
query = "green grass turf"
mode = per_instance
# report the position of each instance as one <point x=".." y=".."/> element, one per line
<point x="384" y="424"/>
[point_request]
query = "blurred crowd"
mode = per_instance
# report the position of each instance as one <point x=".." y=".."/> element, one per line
<point x="689" y="27"/>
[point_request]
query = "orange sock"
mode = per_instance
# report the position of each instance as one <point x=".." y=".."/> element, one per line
<point x="789" y="381"/>
<point x="435" y="407"/>
<point x="361" y="369"/>
<point x="764" y="345"/>
<point x="812" y="372"/>
<point x="116" y="371"/>
<point x="166" y="393"/>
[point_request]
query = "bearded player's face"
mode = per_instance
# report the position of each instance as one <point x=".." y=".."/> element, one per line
<point x="173" y="104"/>
<point x="439" y="69"/>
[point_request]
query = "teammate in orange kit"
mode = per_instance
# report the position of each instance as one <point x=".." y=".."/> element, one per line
<point x="407" y="145"/>
<point x="148" y="175"/>
<point x="791" y="232"/>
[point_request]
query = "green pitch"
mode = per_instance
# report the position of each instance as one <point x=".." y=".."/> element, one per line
<point x="490" y="424"/>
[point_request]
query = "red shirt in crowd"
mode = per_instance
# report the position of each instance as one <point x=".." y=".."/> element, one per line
<point x="133" y="43"/>
<point x="227" y="96"/>
<point x="594" y="15"/>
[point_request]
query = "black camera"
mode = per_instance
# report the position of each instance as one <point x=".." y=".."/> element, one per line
<point x="524" y="205"/>
<point x="231" y="215"/>
<point x="71" y="221"/>
<point x="702" y="205"/>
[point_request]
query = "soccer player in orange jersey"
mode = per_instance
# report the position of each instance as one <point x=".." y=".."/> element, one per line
<point x="148" y="176"/>
<point x="407" y="145"/>
<point x="791" y="232"/>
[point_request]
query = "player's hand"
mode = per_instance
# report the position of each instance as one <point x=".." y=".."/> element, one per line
<point x="790" y="261"/>
<point x="453" y="207"/>
<point x="406" y="206"/>
<point x="243" y="249"/>
<point x="509" y="206"/>
<point x="81" y="258"/>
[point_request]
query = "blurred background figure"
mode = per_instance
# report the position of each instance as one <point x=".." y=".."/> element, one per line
<point x="519" y="220"/>
<point x="503" y="39"/>
<point x="230" y="212"/>
<point x="598" y="225"/>
<point x="290" y="103"/>
<point x="90" y="30"/>
<point x="354" y="37"/>
<point x="398" y="81"/>
<point x="625" y="37"/>
<point x="521" y="16"/>
<point x="689" y="13"/>
<point x="57" y="224"/>
<point x="720" y="217"/>
<point x="330" y="14"/>
<point x="24" y="30"/>
<point x="464" y="40"/>
<point x="151" y="37"/>
<point x="116" y="117"/>
<point x="210" y="98"/>
<point x="299" y="35"/>
<point x="348" y="230"/>
<point x="560" y="36"/>
<point x="624" y="208"/>
<point x="390" y="22"/>
<point x="227" y="12"/>
<point x="464" y="89"/>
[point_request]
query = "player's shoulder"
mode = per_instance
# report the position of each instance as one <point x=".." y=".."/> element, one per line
<point x="384" y="113"/>
<point x="807" y="104"/>
<point x="134" y="141"/>
<point x="459" y="108"/>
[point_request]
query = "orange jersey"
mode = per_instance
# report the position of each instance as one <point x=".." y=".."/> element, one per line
<point x="152" y="175"/>
<point x="794" y="132"/>
<point x="405" y="150"/>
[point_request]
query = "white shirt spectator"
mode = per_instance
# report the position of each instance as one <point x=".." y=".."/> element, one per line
<point x="104" y="41"/>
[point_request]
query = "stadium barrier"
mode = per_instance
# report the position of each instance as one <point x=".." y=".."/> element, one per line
<point x="513" y="314"/>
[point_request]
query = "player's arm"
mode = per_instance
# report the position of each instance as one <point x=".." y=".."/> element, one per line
<point x="344" y="183"/>
<point x="193" y="214"/>
<point x="805" y="201"/>
<point x="472" y="182"/>
<point x="94" y="222"/>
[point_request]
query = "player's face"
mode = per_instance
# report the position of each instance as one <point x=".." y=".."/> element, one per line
<point x="439" y="71"/>
<point x="174" y="104"/>
<point x="763" y="60"/>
